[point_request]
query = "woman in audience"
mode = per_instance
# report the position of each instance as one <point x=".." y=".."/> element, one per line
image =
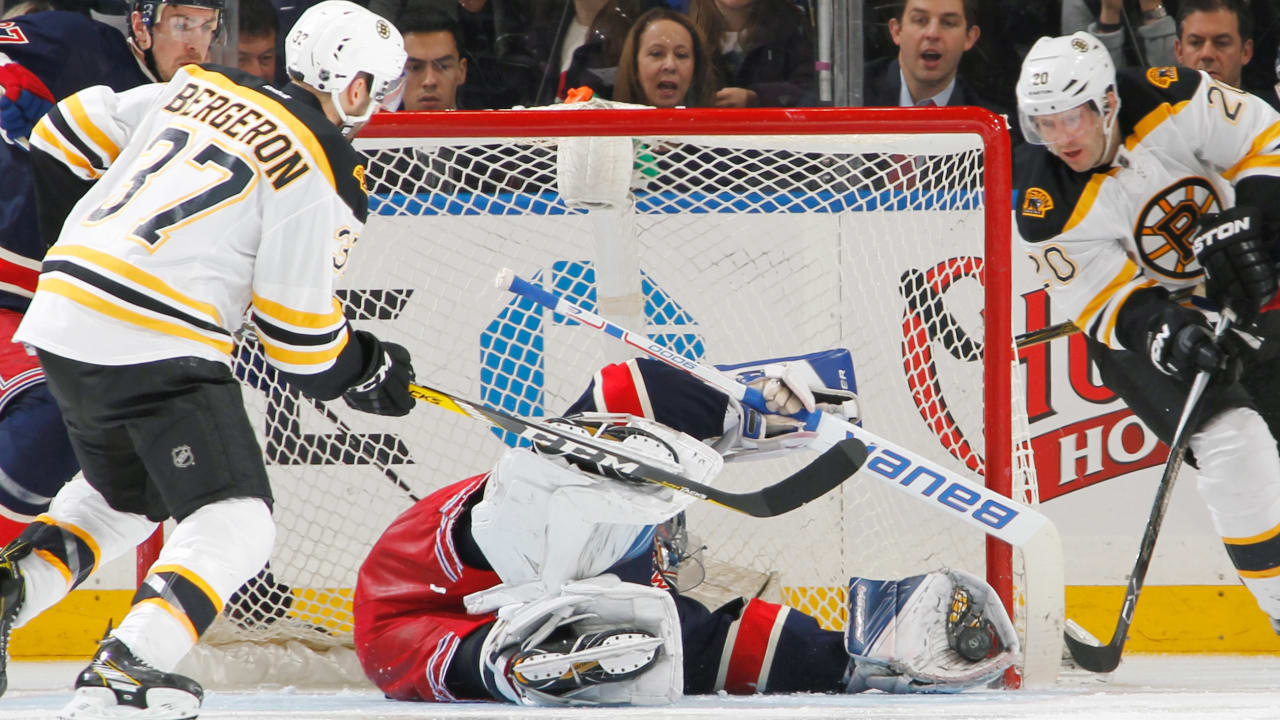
<point x="763" y="51"/>
<point x="665" y="62"/>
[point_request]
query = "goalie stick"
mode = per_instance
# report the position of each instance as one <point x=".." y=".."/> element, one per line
<point x="995" y="514"/>
<point x="1084" y="648"/>
<point x="808" y="483"/>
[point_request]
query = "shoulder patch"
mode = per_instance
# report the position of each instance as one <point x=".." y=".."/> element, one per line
<point x="358" y="173"/>
<point x="1162" y="77"/>
<point x="1037" y="202"/>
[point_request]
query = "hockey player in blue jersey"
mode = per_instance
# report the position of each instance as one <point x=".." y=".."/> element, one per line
<point x="45" y="57"/>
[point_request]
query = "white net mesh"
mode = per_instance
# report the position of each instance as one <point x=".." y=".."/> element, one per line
<point x="731" y="247"/>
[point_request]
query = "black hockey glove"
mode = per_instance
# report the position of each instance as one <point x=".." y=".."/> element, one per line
<point x="1181" y="344"/>
<point x="1239" y="272"/>
<point x="384" y="387"/>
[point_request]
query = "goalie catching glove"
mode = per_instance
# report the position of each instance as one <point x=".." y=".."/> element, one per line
<point x="936" y="633"/>
<point x="383" y="389"/>
<point x="598" y="642"/>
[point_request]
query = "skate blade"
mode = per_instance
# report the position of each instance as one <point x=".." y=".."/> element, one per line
<point x="618" y="655"/>
<point x="101" y="704"/>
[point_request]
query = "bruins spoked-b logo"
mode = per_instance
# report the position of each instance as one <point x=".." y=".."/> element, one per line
<point x="1165" y="228"/>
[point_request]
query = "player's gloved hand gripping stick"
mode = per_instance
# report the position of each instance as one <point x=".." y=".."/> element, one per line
<point x="949" y="491"/>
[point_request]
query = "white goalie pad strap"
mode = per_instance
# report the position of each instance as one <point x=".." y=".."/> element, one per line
<point x="587" y="606"/>
<point x="900" y="644"/>
<point x="545" y="521"/>
<point x="595" y="172"/>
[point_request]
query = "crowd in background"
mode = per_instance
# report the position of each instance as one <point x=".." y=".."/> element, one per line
<point x="490" y="54"/>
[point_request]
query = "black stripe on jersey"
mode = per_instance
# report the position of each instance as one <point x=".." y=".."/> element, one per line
<point x="182" y="595"/>
<point x="343" y="159"/>
<point x="1256" y="557"/>
<point x="289" y="337"/>
<point x="64" y="129"/>
<point x="75" y="554"/>
<point x="128" y="294"/>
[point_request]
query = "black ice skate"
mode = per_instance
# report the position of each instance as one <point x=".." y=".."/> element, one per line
<point x="562" y="665"/>
<point x="118" y="685"/>
<point x="12" y="592"/>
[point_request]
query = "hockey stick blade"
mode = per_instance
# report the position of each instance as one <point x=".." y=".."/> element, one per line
<point x="806" y="484"/>
<point x="1105" y="658"/>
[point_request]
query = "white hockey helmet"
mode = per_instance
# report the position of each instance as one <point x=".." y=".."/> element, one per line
<point x="336" y="40"/>
<point x="1063" y="73"/>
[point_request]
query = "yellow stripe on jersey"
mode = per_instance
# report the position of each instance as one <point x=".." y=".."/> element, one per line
<point x="193" y="578"/>
<point x="76" y="530"/>
<point x="133" y="274"/>
<point x="1087" y="198"/>
<point x="81" y="118"/>
<point x="300" y="357"/>
<point x="45" y="133"/>
<point x="1113" y="314"/>
<point x="279" y="113"/>
<point x="1122" y="278"/>
<point x="110" y="309"/>
<point x="1258" y="574"/>
<point x="299" y="318"/>
<point x="1255" y="157"/>
<point x="1151" y="121"/>
<point x="57" y="564"/>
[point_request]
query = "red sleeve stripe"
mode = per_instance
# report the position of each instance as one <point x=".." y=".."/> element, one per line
<point x="749" y="647"/>
<point x="619" y="388"/>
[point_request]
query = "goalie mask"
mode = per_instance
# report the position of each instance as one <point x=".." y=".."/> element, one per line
<point x="551" y="517"/>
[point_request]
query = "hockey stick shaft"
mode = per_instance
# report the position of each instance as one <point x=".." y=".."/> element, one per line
<point x="1105" y="658"/>
<point x="989" y="511"/>
<point x="809" y="483"/>
<point x="1068" y="328"/>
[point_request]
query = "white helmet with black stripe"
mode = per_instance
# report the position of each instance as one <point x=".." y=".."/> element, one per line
<point x="1063" y="73"/>
<point x="334" y="42"/>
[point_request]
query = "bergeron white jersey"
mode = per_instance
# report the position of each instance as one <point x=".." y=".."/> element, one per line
<point x="215" y="194"/>
<point x="1098" y="236"/>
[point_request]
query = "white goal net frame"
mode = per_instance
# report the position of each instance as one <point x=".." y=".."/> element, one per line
<point x="727" y="235"/>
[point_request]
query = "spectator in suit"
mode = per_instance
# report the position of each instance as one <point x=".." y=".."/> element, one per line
<point x="1217" y="36"/>
<point x="763" y="51"/>
<point x="665" y="63"/>
<point x="931" y="36"/>
<point x="259" y="27"/>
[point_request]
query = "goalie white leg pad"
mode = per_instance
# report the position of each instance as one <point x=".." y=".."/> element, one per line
<point x="631" y="631"/>
<point x="938" y="633"/>
<point x="1239" y="480"/>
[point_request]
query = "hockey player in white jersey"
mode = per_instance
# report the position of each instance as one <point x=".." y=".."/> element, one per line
<point x="1142" y="182"/>
<point x="207" y="197"/>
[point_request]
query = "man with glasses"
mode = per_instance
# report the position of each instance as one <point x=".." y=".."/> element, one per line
<point x="43" y="58"/>
<point x="1138" y="183"/>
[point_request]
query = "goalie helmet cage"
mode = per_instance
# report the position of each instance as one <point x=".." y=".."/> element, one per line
<point x="728" y="235"/>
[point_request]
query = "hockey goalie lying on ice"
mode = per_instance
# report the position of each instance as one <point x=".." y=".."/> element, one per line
<point x="540" y="582"/>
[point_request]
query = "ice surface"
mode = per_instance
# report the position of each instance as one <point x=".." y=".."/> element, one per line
<point x="1202" y="687"/>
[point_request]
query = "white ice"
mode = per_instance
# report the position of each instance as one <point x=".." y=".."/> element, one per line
<point x="1201" y="687"/>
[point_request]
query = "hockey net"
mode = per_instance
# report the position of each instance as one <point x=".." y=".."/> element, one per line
<point x="728" y="236"/>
